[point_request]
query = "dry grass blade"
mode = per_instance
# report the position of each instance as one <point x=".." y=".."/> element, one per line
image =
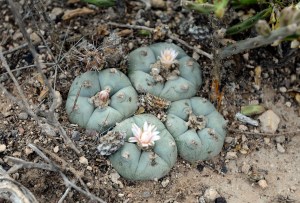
<point x="50" y="117"/>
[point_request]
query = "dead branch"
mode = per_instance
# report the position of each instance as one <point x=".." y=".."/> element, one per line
<point x="290" y="133"/>
<point x="11" y="190"/>
<point x="19" y="89"/>
<point x="51" y="166"/>
<point x="169" y="34"/>
<point x="258" y="41"/>
<point x="51" y="118"/>
<point x="15" y="49"/>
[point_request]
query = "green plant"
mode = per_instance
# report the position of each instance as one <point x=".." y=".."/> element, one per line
<point x="198" y="129"/>
<point x="152" y="156"/>
<point x="164" y="70"/>
<point x="98" y="100"/>
<point x="101" y="3"/>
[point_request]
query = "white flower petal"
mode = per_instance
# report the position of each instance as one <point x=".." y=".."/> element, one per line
<point x="132" y="139"/>
<point x="136" y="130"/>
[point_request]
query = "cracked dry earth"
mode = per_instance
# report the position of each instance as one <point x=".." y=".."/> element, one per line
<point x="253" y="166"/>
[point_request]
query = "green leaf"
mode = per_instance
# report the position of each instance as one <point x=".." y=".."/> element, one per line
<point x="248" y="23"/>
<point x="101" y="3"/>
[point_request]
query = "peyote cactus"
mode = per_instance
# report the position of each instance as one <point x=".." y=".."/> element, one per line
<point x="98" y="100"/>
<point x="198" y="129"/>
<point x="164" y="70"/>
<point x="152" y="156"/>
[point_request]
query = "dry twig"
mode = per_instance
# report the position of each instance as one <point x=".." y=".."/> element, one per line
<point x="51" y="166"/>
<point x="11" y="190"/>
<point x="258" y="41"/>
<point x="50" y="115"/>
<point x="169" y="34"/>
<point x="291" y="133"/>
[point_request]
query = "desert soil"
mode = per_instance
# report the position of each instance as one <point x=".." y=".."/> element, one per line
<point x="254" y="166"/>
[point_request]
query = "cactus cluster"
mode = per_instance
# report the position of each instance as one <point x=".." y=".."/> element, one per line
<point x="141" y="147"/>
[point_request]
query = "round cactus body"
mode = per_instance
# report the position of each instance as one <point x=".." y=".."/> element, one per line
<point x="164" y="70"/>
<point x="134" y="163"/>
<point x="98" y="100"/>
<point x="198" y="129"/>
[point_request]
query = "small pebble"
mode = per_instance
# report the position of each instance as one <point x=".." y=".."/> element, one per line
<point x="280" y="139"/>
<point x="201" y="200"/>
<point x="17" y="35"/>
<point x="288" y="104"/>
<point x="130" y="45"/>
<point x="56" y="149"/>
<point x="75" y="135"/>
<point x="83" y="160"/>
<point x="23" y="116"/>
<point x="210" y="195"/>
<point x="243" y="127"/>
<point x="220" y="200"/>
<point x="231" y="155"/>
<point x="165" y="183"/>
<point x="228" y="139"/>
<point x="21" y="130"/>
<point x="2" y="147"/>
<point x="55" y="13"/>
<point x="282" y="89"/>
<point x="263" y="184"/>
<point x="17" y="154"/>
<point x="280" y="148"/>
<point x="267" y="140"/>
<point x="293" y="188"/>
<point x="269" y="121"/>
<point x="158" y="3"/>
<point x="58" y="99"/>
<point x="121" y="195"/>
<point x="35" y="38"/>
<point x="28" y="151"/>
<point x="245" y="168"/>
<point x="14" y="133"/>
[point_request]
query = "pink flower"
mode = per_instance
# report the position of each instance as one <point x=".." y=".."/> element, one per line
<point x="168" y="56"/>
<point x="104" y="95"/>
<point x="144" y="137"/>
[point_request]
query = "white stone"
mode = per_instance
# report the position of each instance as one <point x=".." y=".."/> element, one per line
<point x="243" y="127"/>
<point x="280" y="148"/>
<point x="210" y="195"/>
<point x="269" y="121"/>
<point x="2" y="147"/>
<point x="56" y="149"/>
<point x="231" y="155"/>
<point x="28" y="151"/>
<point x="228" y="139"/>
<point x="83" y="160"/>
<point x="263" y="184"/>
<point x="282" y="89"/>
<point x="245" y="168"/>
<point x="35" y="38"/>
<point x="267" y="140"/>
<point x="165" y="183"/>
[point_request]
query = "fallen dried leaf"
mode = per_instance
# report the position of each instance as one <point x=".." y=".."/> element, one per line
<point x="73" y="1"/>
<point x="257" y="78"/>
<point x="124" y="33"/>
<point x="77" y="12"/>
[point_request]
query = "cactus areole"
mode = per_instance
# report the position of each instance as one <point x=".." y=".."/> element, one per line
<point x="164" y="70"/>
<point x="98" y="100"/>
